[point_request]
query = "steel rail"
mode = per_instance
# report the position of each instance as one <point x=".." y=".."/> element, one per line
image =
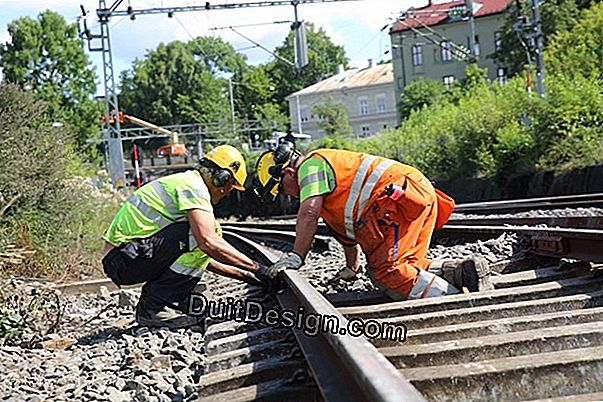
<point x="320" y="244"/>
<point x="354" y="369"/>
<point x="577" y="222"/>
<point x="583" y="244"/>
<point x="566" y="201"/>
<point x="345" y="368"/>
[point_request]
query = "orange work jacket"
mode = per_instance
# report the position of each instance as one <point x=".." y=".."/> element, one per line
<point x="359" y="180"/>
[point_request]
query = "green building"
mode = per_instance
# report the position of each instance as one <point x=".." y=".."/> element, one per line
<point x="432" y="42"/>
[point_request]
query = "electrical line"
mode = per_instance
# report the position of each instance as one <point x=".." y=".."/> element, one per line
<point x="464" y="53"/>
<point x="262" y="47"/>
<point x="184" y="27"/>
<point x="250" y="25"/>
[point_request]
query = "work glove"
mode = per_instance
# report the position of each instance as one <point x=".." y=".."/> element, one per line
<point x="348" y="274"/>
<point x="289" y="261"/>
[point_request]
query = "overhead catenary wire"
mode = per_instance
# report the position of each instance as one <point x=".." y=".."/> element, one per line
<point x="459" y="51"/>
<point x="262" y="47"/>
<point x="250" y="25"/>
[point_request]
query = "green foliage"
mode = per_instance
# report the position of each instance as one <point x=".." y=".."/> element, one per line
<point x="419" y="94"/>
<point x="479" y="133"/>
<point x="254" y="100"/>
<point x="333" y="118"/>
<point x="474" y="76"/>
<point x="12" y="325"/>
<point x="324" y="57"/>
<point x="557" y="16"/>
<point x="579" y="52"/>
<point x="44" y="207"/>
<point x="181" y="83"/>
<point x="47" y="56"/>
<point x="570" y="123"/>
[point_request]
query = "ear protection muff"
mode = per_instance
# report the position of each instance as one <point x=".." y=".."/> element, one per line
<point x="285" y="152"/>
<point x="220" y="178"/>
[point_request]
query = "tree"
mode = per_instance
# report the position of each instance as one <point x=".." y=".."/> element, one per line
<point x="557" y="16"/>
<point x="324" y="58"/>
<point x="181" y="82"/>
<point x="579" y="51"/>
<point x="47" y="56"/>
<point x="419" y="94"/>
<point x="255" y="100"/>
<point x="333" y="118"/>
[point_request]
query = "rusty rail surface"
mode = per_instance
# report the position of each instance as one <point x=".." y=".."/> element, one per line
<point x="345" y="368"/>
<point x="566" y="201"/>
<point x="584" y="244"/>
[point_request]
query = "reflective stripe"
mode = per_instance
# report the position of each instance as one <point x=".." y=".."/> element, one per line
<point x="167" y="200"/>
<point x="348" y="213"/>
<point x="148" y="212"/>
<point x="186" y="270"/>
<point x="396" y="238"/>
<point x="192" y="194"/>
<point x="430" y="285"/>
<point x="313" y="178"/>
<point x="371" y="182"/>
<point x="192" y="242"/>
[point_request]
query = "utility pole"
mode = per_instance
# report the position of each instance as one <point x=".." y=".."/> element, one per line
<point x="113" y="141"/>
<point x="471" y="28"/>
<point x="529" y="31"/>
<point x="232" y="108"/>
<point x="538" y="47"/>
<point x="299" y="119"/>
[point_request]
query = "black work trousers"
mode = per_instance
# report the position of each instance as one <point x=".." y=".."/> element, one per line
<point x="148" y="260"/>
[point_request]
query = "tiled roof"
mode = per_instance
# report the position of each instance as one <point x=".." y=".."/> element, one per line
<point x="438" y="13"/>
<point x="381" y="74"/>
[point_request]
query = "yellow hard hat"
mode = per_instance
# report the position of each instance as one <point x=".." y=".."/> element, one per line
<point x="270" y="168"/>
<point x="268" y="175"/>
<point x="229" y="158"/>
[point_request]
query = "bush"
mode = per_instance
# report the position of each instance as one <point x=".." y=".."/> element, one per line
<point x="419" y="94"/>
<point x="50" y="215"/>
<point x="570" y="124"/>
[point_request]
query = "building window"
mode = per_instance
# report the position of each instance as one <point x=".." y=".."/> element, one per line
<point x="476" y="45"/>
<point x="417" y="55"/>
<point x="501" y="75"/>
<point x="304" y="115"/>
<point x="366" y="131"/>
<point x="363" y="102"/>
<point x="448" y="80"/>
<point x="446" y="51"/>
<point x="380" y="101"/>
<point x="497" y="40"/>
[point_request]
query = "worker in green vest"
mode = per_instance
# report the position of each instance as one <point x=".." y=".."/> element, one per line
<point x="166" y="235"/>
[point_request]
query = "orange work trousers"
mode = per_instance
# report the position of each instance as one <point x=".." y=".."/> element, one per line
<point x="395" y="234"/>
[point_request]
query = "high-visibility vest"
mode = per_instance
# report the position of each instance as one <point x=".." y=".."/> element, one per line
<point x="159" y="204"/>
<point x="360" y="179"/>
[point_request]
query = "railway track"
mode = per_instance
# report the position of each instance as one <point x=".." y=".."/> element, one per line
<point x="538" y="336"/>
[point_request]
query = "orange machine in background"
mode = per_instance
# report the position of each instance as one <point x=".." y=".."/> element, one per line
<point x="174" y="148"/>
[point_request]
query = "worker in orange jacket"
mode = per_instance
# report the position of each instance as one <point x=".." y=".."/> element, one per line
<point x="384" y="208"/>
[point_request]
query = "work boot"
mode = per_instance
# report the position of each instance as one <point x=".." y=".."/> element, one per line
<point x="472" y="273"/>
<point x="151" y="312"/>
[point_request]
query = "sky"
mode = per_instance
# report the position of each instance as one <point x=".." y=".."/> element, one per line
<point x="355" y="25"/>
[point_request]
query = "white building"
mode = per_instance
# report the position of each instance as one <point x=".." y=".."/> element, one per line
<point x="367" y="93"/>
